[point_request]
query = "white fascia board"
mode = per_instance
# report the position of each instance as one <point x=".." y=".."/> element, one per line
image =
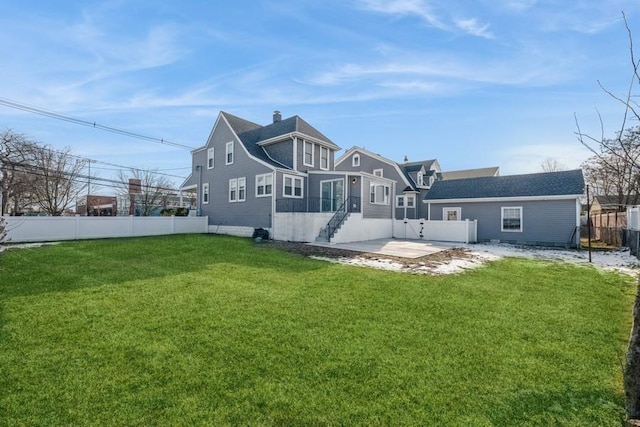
<point x="189" y="187"/>
<point x="505" y="199"/>
<point x="344" y="156"/>
<point x="375" y="156"/>
<point x="237" y="139"/>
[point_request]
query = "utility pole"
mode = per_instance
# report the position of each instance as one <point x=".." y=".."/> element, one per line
<point x="589" y="222"/>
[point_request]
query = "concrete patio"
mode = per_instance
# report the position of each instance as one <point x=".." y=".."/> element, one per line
<point x="393" y="247"/>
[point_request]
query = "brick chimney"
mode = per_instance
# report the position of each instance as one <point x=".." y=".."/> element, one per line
<point x="276" y="116"/>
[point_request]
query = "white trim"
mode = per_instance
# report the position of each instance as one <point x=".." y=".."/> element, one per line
<point x="519" y="208"/>
<point x="355" y="159"/>
<point x="265" y="176"/>
<point x="400" y="197"/>
<point x="242" y="196"/>
<point x="227" y="152"/>
<point x="505" y="199"/>
<point x="380" y="170"/>
<point x="300" y="135"/>
<point x="205" y="192"/>
<point x="344" y="190"/>
<point x="233" y="199"/>
<point x="305" y="152"/>
<point x="293" y="186"/>
<point x="410" y="197"/>
<point x="386" y="196"/>
<point x="211" y="158"/>
<point x="447" y="209"/>
<point x="362" y="151"/>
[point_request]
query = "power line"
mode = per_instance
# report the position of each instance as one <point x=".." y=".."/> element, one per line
<point x="35" y="110"/>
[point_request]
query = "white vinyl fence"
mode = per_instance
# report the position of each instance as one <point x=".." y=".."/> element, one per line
<point x="443" y="231"/>
<point x="52" y="228"/>
<point x="633" y="218"/>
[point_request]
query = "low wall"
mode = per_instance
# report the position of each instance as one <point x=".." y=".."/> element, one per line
<point x="444" y="231"/>
<point x="54" y="228"/>
<point x="233" y="230"/>
<point x="356" y="229"/>
<point x="299" y="226"/>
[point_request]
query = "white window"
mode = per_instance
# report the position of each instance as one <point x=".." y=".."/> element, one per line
<point x="308" y="153"/>
<point x="292" y="186"/>
<point x="411" y="201"/>
<point x="451" y="214"/>
<point x="205" y="194"/>
<point x="264" y="185"/>
<point x="379" y="194"/>
<point x="238" y="189"/>
<point x="400" y="201"/>
<point x="233" y="190"/>
<point x="229" y="151"/>
<point x="210" y="158"/>
<point x="324" y="158"/>
<point x="420" y="179"/>
<point x="512" y="219"/>
<point x="355" y="160"/>
<point x="377" y="172"/>
<point x="408" y="201"/>
<point x="242" y="189"/>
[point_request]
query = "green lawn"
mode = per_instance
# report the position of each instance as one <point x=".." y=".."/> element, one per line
<point x="213" y="330"/>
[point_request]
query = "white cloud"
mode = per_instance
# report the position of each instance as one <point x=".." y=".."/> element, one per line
<point x="417" y="8"/>
<point x="471" y="26"/>
<point x="528" y="158"/>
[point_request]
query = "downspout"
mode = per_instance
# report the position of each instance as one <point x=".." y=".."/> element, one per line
<point x="199" y="192"/>
<point x="273" y="202"/>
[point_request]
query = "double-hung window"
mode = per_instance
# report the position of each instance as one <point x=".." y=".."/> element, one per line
<point x="205" y="193"/>
<point x="355" y="160"/>
<point x="308" y="153"/>
<point x="451" y="214"/>
<point x="229" y="153"/>
<point x="400" y="201"/>
<point x="324" y="158"/>
<point x="379" y="194"/>
<point x="512" y="219"/>
<point x="237" y="189"/>
<point x="264" y="185"/>
<point x="210" y="158"/>
<point x="292" y="186"/>
<point x="378" y="172"/>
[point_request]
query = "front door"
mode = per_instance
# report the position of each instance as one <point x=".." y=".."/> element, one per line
<point x="332" y="193"/>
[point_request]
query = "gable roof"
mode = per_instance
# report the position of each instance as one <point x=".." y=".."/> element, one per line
<point x="416" y="166"/>
<point x="252" y="134"/>
<point x="564" y="183"/>
<point x="471" y="173"/>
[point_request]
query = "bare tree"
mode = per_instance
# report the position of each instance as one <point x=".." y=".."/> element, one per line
<point x="552" y="165"/>
<point x="147" y="190"/>
<point x="3" y="229"/>
<point x="60" y="179"/>
<point x="17" y="179"/>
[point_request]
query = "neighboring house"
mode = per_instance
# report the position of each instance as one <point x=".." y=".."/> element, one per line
<point x="607" y="204"/>
<point x="412" y="180"/>
<point x="93" y="205"/>
<point x="540" y="208"/>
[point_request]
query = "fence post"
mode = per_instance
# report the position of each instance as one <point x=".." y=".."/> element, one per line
<point x="76" y="228"/>
<point x="173" y="224"/>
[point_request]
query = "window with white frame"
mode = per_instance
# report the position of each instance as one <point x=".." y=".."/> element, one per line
<point x="512" y="219"/>
<point x="292" y="186"/>
<point x="411" y="201"/>
<point x="355" y="160"/>
<point x="233" y="190"/>
<point x="420" y="179"/>
<point x="451" y="214"/>
<point x="379" y="193"/>
<point x="210" y="158"/>
<point x="229" y="153"/>
<point x="264" y="185"/>
<point x="238" y="189"/>
<point x="400" y="201"/>
<point x="308" y="153"/>
<point x="324" y="158"/>
<point x="205" y="193"/>
<point x="378" y="172"/>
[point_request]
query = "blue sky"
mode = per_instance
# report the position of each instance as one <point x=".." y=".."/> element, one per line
<point x="471" y="83"/>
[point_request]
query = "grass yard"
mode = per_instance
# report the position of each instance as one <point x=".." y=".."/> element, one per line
<point x="214" y="330"/>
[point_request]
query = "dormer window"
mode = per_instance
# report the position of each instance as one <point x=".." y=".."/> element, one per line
<point x="378" y="172"/>
<point x="355" y="160"/>
<point x="420" y="179"/>
<point x="308" y="153"/>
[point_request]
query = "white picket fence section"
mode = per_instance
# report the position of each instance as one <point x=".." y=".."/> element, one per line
<point x="50" y="228"/>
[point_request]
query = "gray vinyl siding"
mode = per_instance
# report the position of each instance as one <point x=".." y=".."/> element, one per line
<point x="315" y="180"/>
<point x="254" y="211"/>
<point x="377" y="211"/>
<point x="281" y="152"/>
<point x="549" y="222"/>
<point x="316" y="157"/>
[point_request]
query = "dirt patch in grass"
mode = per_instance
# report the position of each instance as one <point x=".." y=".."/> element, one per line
<point x="408" y="264"/>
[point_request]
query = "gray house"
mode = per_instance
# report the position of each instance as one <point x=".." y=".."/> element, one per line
<point x="540" y="209"/>
<point x="283" y="177"/>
